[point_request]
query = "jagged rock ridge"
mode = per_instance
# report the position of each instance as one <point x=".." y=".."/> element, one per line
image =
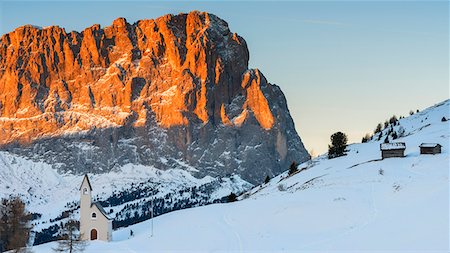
<point x="175" y="91"/>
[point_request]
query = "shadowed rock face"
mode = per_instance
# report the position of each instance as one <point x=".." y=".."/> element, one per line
<point x="171" y="92"/>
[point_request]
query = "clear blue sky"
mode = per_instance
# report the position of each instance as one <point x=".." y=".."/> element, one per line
<point x="343" y="66"/>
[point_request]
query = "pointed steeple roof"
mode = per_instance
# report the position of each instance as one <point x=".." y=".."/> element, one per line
<point x="86" y="179"/>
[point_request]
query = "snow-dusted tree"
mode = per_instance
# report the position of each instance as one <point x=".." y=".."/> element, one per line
<point x="70" y="238"/>
<point x="14" y="225"/>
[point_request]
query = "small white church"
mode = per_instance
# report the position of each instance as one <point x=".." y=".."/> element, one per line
<point x="94" y="222"/>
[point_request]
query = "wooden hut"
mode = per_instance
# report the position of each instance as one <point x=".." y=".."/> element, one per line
<point x="395" y="149"/>
<point x="430" y="148"/>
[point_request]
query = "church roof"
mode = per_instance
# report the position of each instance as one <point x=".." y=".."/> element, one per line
<point x="86" y="179"/>
<point x="100" y="208"/>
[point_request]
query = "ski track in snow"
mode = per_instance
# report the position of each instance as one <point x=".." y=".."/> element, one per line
<point x="227" y="220"/>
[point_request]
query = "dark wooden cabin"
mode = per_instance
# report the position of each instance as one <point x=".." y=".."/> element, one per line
<point x="395" y="149"/>
<point x="430" y="148"/>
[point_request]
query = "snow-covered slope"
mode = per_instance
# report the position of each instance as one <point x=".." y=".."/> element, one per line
<point x="353" y="203"/>
<point x="125" y="191"/>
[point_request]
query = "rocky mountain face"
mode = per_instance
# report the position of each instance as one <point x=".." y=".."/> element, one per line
<point x="175" y="91"/>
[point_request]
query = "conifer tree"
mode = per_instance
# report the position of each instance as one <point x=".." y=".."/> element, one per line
<point x="338" y="145"/>
<point x="393" y="120"/>
<point x="378" y="128"/>
<point x="380" y="134"/>
<point x="232" y="197"/>
<point x="366" y="138"/>
<point x="293" y="168"/>
<point x="394" y="135"/>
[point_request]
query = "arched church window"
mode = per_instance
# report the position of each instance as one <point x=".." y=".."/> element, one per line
<point x="85" y="191"/>
<point x="94" y="215"/>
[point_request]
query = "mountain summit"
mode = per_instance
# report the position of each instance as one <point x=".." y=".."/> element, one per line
<point x="175" y="91"/>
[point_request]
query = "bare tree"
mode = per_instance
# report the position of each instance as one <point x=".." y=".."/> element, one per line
<point x="70" y="238"/>
<point x="14" y="225"/>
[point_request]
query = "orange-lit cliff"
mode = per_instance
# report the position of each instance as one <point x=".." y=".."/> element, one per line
<point x="177" y="87"/>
